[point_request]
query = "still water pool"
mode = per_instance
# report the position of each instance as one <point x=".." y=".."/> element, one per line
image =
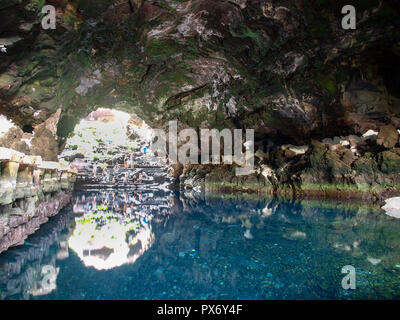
<point x="159" y="245"/>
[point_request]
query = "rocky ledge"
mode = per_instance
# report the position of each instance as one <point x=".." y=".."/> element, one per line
<point x="23" y="223"/>
<point x="365" y="167"/>
<point x="32" y="263"/>
<point x="31" y="190"/>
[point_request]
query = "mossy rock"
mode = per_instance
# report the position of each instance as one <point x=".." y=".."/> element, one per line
<point x="389" y="162"/>
<point x="34" y="6"/>
<point x="317" y="159"/>
<point x="348" y="157"/>
<point x="163" y="47"/>
<point x="328" y="83"/>
<point x="365" y="165"/>
<point x="9" y="84"/>
<point x="336" y="165"/>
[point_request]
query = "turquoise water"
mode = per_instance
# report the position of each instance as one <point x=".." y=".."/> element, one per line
<point x="164" y="246"/>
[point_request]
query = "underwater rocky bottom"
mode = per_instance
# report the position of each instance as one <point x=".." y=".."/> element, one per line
<point x="161" y="245"/>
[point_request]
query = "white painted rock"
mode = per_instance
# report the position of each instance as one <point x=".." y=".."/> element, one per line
<point x="392" y="207"/>
<point x="370" y="135"/>
<point x="299" y="149"/>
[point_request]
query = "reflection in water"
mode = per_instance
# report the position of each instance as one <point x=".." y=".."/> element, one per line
<point x="48" y="283"/>
<point x="112" y="232"/>
<point x="114" y="228"/>
<point x="158" y="246"/>
<point x="30" y="270"/>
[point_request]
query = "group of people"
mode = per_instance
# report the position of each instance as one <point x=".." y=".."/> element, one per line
<point x="116" y="173"/>
<point x="125" y="176"/>
<point x="126" y="203"/>
<point x="114" y="201"/>
<point x="129" y="161"/>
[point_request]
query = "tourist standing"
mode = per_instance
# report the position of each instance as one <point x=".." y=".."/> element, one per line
<point x="106" y="174"/>
<point x="126" y="179"/>
<point x="115" y="173"/>
<point x="131" y="160"/>
<point x="95" y="170"/>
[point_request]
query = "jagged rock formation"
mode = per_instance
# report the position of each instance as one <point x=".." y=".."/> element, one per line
<point x="21" y="224"/>
<point x="34" y="262"/>
<point x="346" y="167"/>
<point x="285" y="68"/>
<point x="31" y="190"/>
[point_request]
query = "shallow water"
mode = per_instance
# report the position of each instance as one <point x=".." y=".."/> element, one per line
<point x="175" y="247"/>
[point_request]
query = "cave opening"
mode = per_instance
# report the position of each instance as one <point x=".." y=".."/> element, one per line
<point x="106" y="136"/>
<point x="118" y="188"/>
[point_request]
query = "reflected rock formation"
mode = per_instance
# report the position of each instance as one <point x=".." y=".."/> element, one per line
<point x="31" y="269"/>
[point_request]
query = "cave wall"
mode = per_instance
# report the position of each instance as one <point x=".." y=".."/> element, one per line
<point x="285" y="68"/>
